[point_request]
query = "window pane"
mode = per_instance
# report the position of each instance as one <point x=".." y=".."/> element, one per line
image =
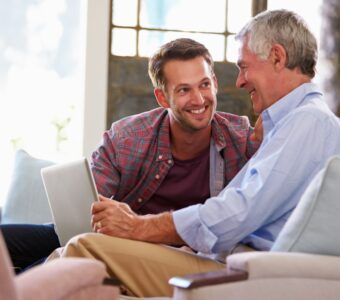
<point x="150" y="41"/>
<point x="123" y="42"/>
<point x="232" y="49"/>
<point x="239" y="12"/>
<point x="124" y="12"/>
<point x="194" y="15"/>
<point x="41" y="81"/>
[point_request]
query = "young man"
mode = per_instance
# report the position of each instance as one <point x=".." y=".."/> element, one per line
<point x="164" y="159"/>
<point x="277" y="58"/>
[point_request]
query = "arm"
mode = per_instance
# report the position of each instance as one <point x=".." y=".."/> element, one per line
<point x="249" y="202"/>
<point x="105" y="167"/>
<point x="259" y="199"/>
<point x="62" y="278"/>
<point x="117" y="219"/>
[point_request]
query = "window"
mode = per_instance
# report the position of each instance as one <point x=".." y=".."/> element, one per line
<point x="40" y="81"/>
<point x="141" y="26"/>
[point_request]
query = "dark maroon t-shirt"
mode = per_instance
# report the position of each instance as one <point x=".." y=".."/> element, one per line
<point x="187" y="183"/>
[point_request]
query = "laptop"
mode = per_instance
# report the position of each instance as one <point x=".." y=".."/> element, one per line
<point x="70" y="190"/>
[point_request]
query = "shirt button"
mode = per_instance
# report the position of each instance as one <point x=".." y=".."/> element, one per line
<point x="157" y="176"/>
<point x="160" y="156"/>
<point x="140" y="200"/>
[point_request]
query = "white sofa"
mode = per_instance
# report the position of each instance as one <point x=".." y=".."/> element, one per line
<point x="265" y="276"/>
<point x="304" y="262"/>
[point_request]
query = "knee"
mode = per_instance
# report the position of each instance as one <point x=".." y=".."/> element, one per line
<point x="82" y="240"/>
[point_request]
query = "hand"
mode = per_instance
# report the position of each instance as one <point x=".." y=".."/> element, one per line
<point x="187" y="249"/>
<point x="117" y="219"/>
<point x="113" y="218"/>
<point x="257" y="135"/>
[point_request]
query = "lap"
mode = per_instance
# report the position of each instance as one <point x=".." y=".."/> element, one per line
<point x="144" y="268"/>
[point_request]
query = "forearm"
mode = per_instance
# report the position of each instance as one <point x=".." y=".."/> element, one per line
<point x="117" y="219"/>
<point x="157" y="229"/>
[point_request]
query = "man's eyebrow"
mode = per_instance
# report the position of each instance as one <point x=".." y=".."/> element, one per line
<point x="181" y="85"/>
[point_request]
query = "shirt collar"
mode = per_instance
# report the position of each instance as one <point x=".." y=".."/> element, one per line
<point x="164" y="148"/>
<point x="163" y="145"/>
<point x="273" y="114"/>
<point x="217" y="136"/>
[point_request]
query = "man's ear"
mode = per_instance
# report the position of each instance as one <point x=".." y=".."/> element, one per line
<point x="161" y="98"/>
<point x="215" y="83"/>
<point x="278" y="56"/>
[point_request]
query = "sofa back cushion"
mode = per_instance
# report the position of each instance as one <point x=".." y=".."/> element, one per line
<point x="314" y="226"/>
<point x="26" y="200"/>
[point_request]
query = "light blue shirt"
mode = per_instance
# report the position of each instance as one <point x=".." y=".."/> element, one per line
<point x="300" y="135"/>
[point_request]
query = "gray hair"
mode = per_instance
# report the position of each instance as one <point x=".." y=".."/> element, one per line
<point x="287" y="29"/>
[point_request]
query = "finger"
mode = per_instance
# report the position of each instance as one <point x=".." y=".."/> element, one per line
<point x="257" y="134"/>
<point x="98" y="226"/>
<point x="99" y="206"/>
<point x="103" y="198"/>
<point x="100" y="216"/>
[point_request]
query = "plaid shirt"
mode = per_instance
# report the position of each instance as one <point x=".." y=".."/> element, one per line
<point x="135" y="155"/>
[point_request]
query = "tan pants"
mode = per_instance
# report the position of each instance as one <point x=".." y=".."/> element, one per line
<point x="143" y="268"/>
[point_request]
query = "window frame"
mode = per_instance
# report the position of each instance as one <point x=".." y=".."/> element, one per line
<point x="256" y="7"/>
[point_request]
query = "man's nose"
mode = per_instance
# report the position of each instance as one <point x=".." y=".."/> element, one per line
<point x="197" y="97"/>
<point x="240" y="81"/>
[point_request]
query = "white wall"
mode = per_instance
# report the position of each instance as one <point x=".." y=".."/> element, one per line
<point x="96" y="72"/>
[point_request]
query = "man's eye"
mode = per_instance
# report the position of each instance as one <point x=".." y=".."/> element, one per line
<point x="206" y="84"/>
<point x="182" y="90"/>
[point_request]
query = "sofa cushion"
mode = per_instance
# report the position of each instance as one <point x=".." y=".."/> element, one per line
<point x="314" y="225"/>
<point x="26" y="201"/>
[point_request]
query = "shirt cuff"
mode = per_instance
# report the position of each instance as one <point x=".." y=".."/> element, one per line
<point x="192" y="230"/>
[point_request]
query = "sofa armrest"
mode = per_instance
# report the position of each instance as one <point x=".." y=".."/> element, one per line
<point x="207" y="278"/>
<point x="255" y="265"/>
<point x="284" y="265"/>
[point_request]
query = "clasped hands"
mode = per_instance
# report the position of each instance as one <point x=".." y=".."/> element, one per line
<point x="113" y="218"/>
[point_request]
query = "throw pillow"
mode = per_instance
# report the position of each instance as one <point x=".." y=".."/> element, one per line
<point x="26" y="201"/>
<point x="314" y="225"/>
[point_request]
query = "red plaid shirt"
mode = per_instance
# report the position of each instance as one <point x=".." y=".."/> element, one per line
<point x="135" y="156"/>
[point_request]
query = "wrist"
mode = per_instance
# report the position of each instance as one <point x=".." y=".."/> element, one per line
<point x="158" y="228"/>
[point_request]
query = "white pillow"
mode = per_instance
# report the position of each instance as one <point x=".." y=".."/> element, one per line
<point x="314" y="226"/>
<point x="26" y="201"/>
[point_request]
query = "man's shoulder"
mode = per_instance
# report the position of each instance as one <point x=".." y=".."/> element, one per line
<point x="232" y="121"/>
<point x="317" y="110"/>
<point x="144" y="123"/>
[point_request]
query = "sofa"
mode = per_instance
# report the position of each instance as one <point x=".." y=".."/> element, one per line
<point x="303" y="263"/>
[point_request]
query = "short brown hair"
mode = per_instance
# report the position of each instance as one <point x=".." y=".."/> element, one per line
<point x="182" y="49"/>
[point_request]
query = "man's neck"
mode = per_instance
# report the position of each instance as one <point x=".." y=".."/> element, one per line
<point x="188" y="145"/>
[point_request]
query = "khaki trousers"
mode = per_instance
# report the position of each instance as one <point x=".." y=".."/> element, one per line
<point x="143" y="268"/>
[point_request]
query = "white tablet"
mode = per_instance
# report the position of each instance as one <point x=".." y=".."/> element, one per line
<point x="70" y="190"/>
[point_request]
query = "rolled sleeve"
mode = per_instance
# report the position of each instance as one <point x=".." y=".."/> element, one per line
<point x="192" y="229"/>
